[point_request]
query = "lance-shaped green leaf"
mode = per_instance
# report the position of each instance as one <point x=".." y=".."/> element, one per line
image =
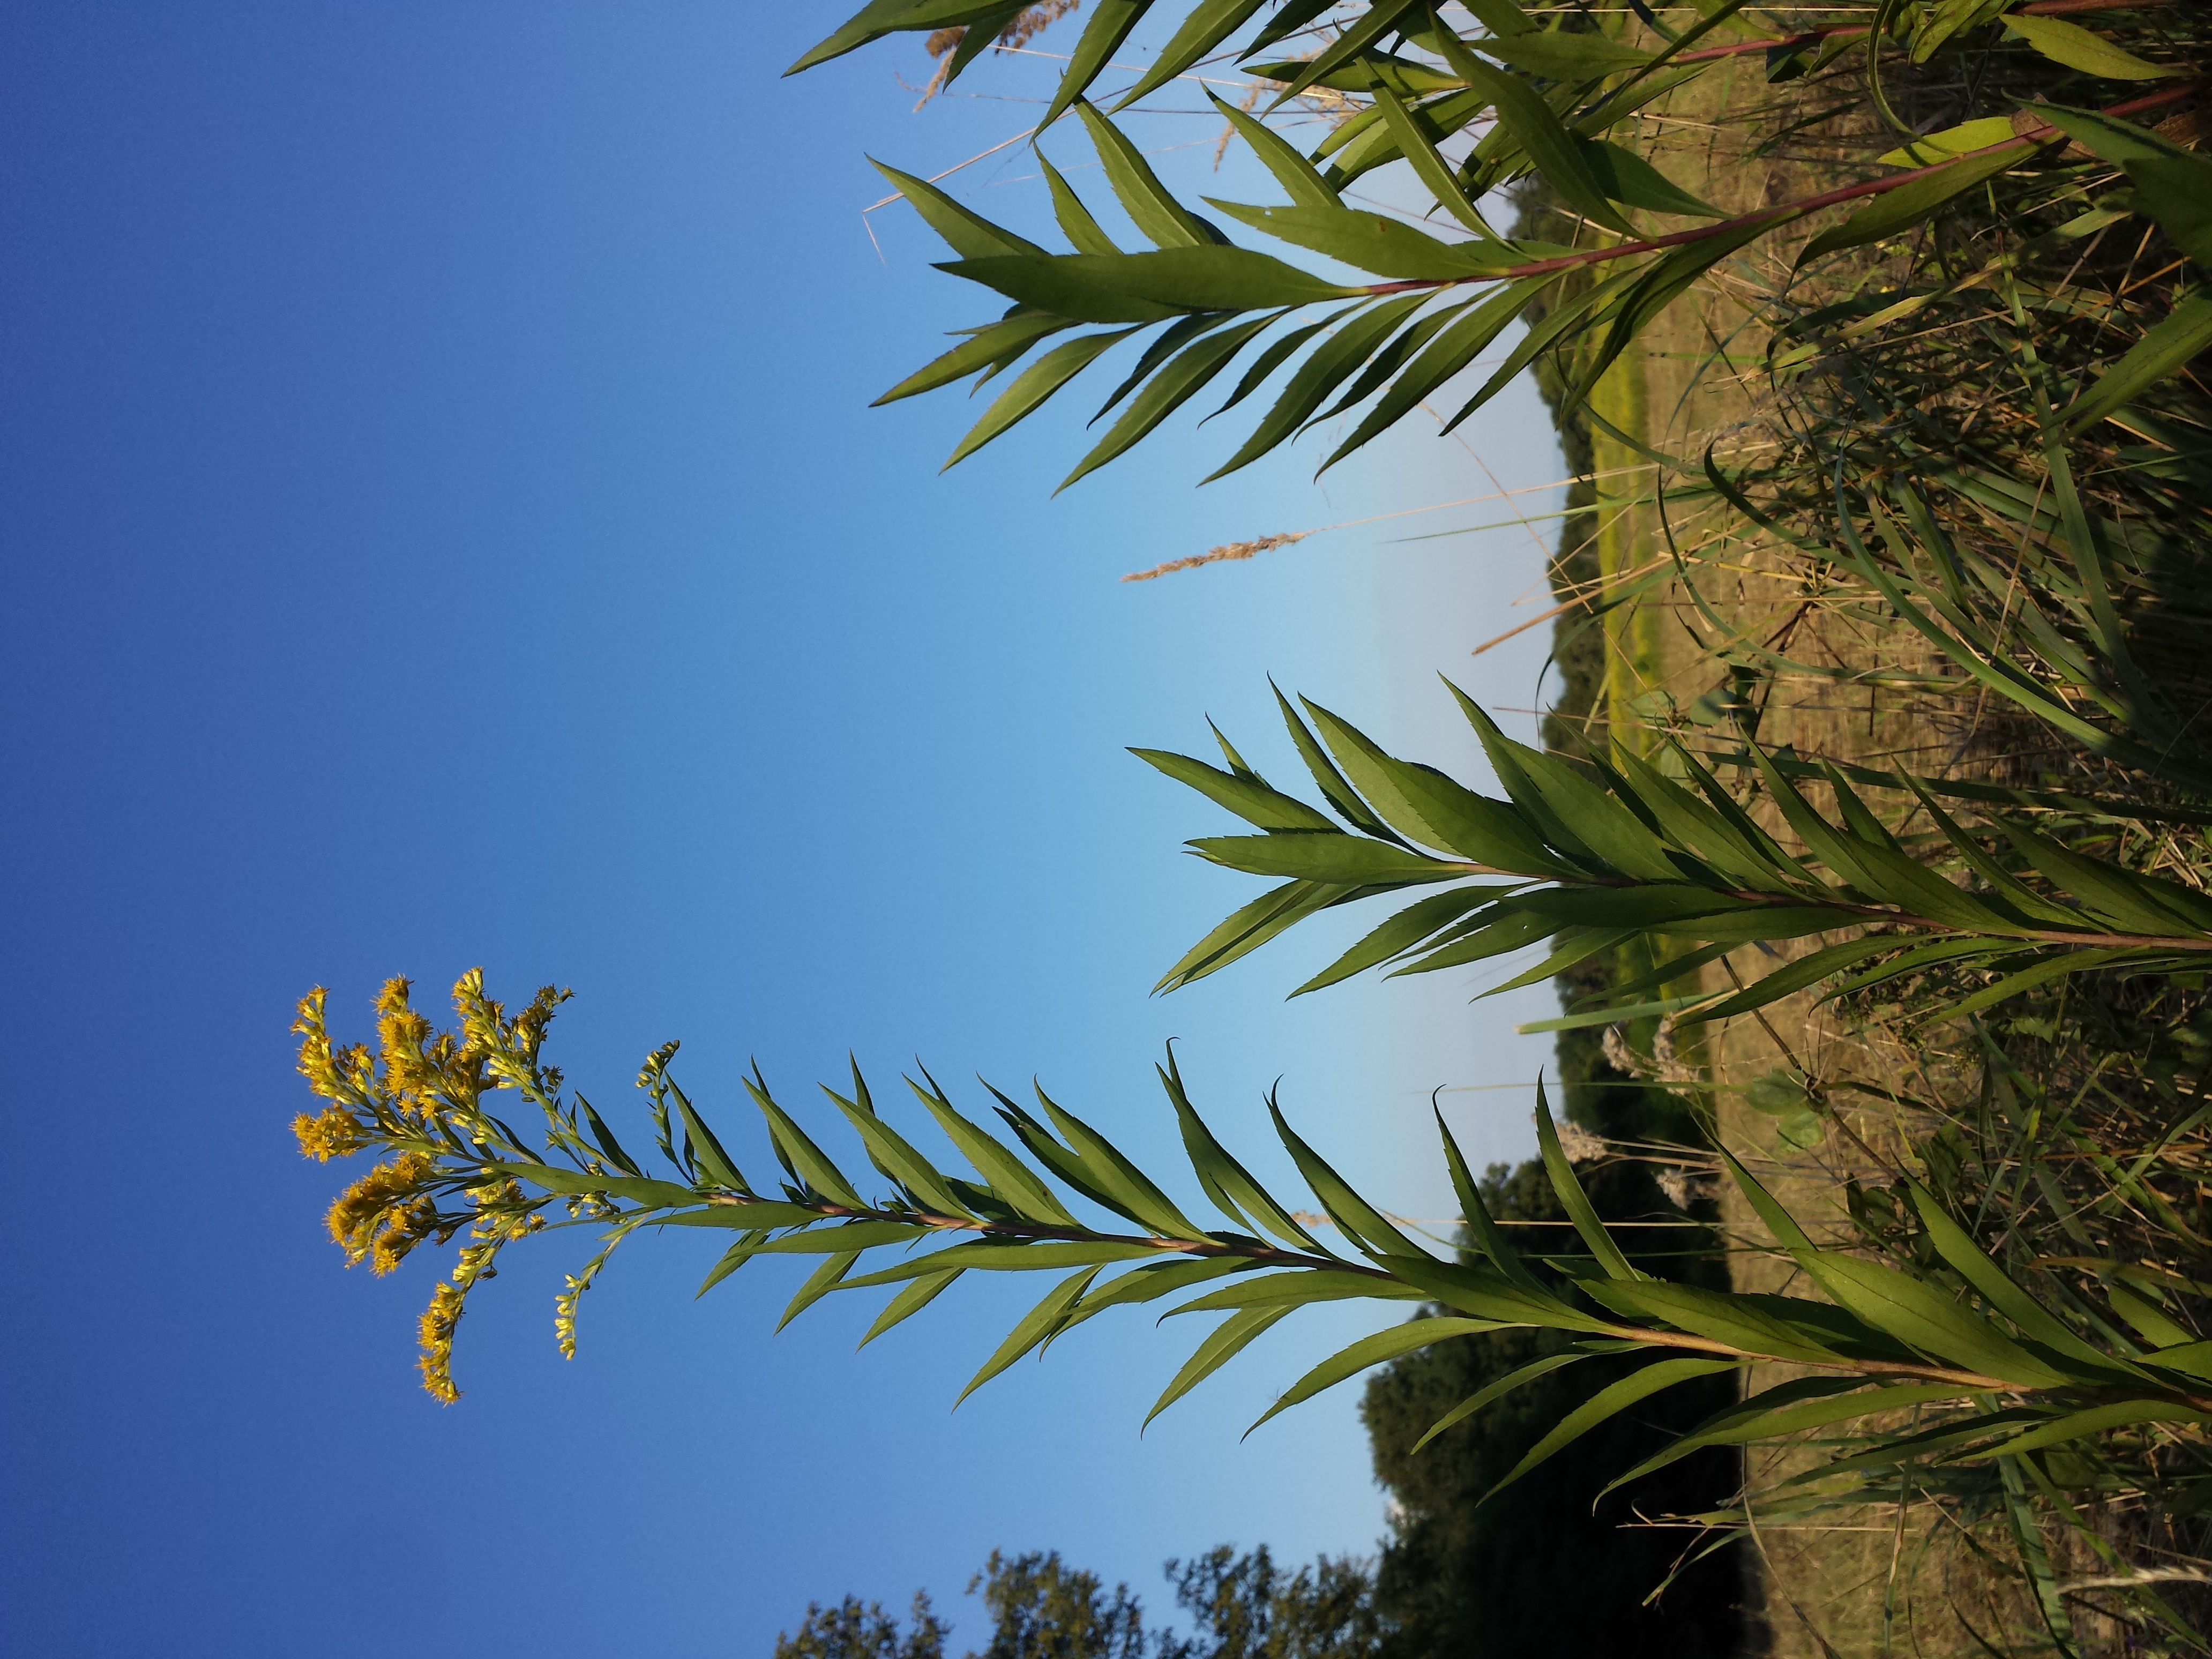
<point x="1946" y="1437"/>
<point x="1250" y="926"/>
<point x="892" y="1153"/>
<point x="1149" y="1284"/>
<point x="1332" y="362"/>
<point x="1469" y="334"/>
<point x="1373" y="241"/>
<point x="1570" y="946"/>
<point x="1796" y="976"/>
<point x="1205" y="26"/>
<point x="1034" y="385"/>
<point x="1485" y="1293"/>
<point x="1576" y="815"/>
<point x="1530" y="122"/>
<point x="1378" y="20"/>
<point x="1779" y="1221"/>
<point x="2162" y="351"/>
<point x="1386" y="363"/>
<point x="1754" y="1328"/>
<point x="806" y="1162"/>
<point x="1189" y="374"/>
<point x="2078" y="48"/>
<point x="974" y="41"/>
<point x="1354" y="1216"/>
<point x="1066" y="1164"/>
<point x="1036" y="1326"/>
<point x="1278" y="352"/>
<point x="1166" y="221"/>
<point x="1425" y="806"/>
<point x="1908" y="204"/>
<point x="1164" y="344"/>
<point x="1657" y="285"/>
<point x="1403" y="932"/>
<point x="577" y="1183"/>
<point x="1575" y="1201"/>
<point x="1694" y="824"/>
<point x="1249" y="796"/>
<point x="987" y="1255"/>
<point x="612" y="1149"/>
<point x="2173" y="191"/>
<point x="2032" y="1319"/>
<point x="2009" y="888"/>
<point x="1229" y="1337"/>
<point x="719" y="1166"/>
<point x="1481" y="1230"/>
<point x="967" y="233"/>
<point x="1293" y="171"/>
<point x="1496" y="1391"/>
<point x="1001" y="344"/>
<point x="1109" y="25"/>
<point x="881" y="17"/>
<point x="918" y="1295"/>
<point x="1630" y="180"/>
<point x="2147" y="904"/>
<point x="1143" y="287"/>
<point x="1375" y="1350"/>
<point x="1558" y="55"/>
<point x="756" y="1215"/>
<point x="1075" y="221"/>
<point x="1488" y="933"/>
<point x="1609" y="1402"/>
<point x="844" y="1238"/>
<point x="1339" y="858"/>
<point x="1338" y="793"/>
<point x="1013" y="1182"/>
<point x="1926" y="1318"/>
<point x="732" y="1258"/>
<point x="1138" y="1197"/>
<point x="1226" y="1183"/>
<point x="1791" y="1407"/>
<point x="2093" y="1420"/>
<point x="819" y="1283"/>
<point x="1428" y="162"/>
<point x="1302" y="1287"/>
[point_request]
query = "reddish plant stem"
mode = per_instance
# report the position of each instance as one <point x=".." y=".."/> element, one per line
<point x="2042" y="133"/>
<point x="1814" y="37"/>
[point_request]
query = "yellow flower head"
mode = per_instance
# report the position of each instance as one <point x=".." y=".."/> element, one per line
<point x="333" y="1133"/>
<point x="436" y="1332"/>
<point x="370" y="1204"/>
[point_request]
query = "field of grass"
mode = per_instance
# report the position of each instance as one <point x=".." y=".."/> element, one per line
<point x="1932" y="1577"/>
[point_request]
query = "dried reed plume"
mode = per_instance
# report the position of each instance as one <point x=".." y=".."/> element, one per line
<point x="1220" y="555"/>
<point x="1024" y="28"/>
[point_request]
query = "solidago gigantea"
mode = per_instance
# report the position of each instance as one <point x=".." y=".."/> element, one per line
<point x="1999" y="1372"/>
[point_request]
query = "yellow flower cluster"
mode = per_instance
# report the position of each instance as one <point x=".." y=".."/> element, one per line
<point x="410" y="1095"/>
<point x="384" y="1214"/>
<point x="332" y="1132"/>
<point x="436" y="1332"/>
<point x="347" y="1074"/>
<point x="564" y="1314"/>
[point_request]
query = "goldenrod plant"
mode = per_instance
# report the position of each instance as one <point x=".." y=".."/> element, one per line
<point x="1995" y="1372"/>
<point x="1595" y="853"/>
<point x="1474" y="110"/>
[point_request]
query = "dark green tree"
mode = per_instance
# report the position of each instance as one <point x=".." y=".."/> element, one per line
<point x="1242" y="1606"/>
<point x="857" y="1630"/>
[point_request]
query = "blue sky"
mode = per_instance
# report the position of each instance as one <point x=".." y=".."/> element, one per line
<point x="443" y="526"/>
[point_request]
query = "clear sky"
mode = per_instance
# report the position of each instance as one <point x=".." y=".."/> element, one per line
<point x="441" y="525"/>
